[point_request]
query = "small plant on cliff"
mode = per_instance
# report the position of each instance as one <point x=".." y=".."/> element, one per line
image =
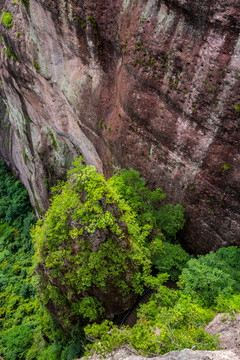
<point x="94" y="24"/>
<point x="97" y="239"/>
<point x="226" y="167"/>
<point x="7" y="19"/>
<point x="237" y="108"/>
<point x="10" y="54"/>
<point x="36" y="66"/>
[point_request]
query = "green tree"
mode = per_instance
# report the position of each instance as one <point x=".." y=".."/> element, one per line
<point x="172" y="260"/>
<point x="213" y="274"/>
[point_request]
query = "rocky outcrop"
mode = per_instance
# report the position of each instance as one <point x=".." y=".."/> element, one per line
<point x="148" y="84"/>
<point x="228" y="330"/>
<point x="129" y="354"/>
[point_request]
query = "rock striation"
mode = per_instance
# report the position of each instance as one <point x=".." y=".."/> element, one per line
<point x="148" y="84"/>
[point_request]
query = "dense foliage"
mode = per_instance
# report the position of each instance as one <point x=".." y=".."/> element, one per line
<point x="26" y="329"/>
<point x="16" y="292"/>
<point x="174" y="320"/>
<point x="212" y="275"/>
<point x="96" y="239"/>
<point x="98" y="236"/>
<point x="172" y="260"/>
<point x="169" y="321"/>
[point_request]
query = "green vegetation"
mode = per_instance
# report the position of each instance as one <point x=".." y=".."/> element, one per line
<point x="54" y="141"/>
<point x="174" y="319"/>
<point x="212" y="275"/>
<point x="25" y="157"/>
<point x="7" y="19"/>
<point x="9" y="52"/>
<point x="171" y="261"/>
<point x="16" y="291"/>
<point x="170" y="321"/>
<point x="100" y="236"/>
<point x="237" y="108"/>
<point x="152" y="62"/>
<point x="121" y="211"/>
<point x="82" y="22"/>
<point x="101" y="123"/>
<point x="26" y="329"/>
<point x="226" y="167"/>
<point x="94" y="24"/>
<point x="36" y="66"/>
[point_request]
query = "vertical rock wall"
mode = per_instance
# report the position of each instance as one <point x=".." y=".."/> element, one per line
<point x="148" y="84"/>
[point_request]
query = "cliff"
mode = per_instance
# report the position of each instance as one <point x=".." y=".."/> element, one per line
<point x="148" y="84"/>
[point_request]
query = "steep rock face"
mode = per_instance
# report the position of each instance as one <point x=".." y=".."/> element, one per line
<point x="148" y="84"/>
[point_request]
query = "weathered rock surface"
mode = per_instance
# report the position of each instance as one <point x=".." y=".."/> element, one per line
<point x="148" y="84"/>
<point x="229" y="331"/>
<point x="128" y="354"/>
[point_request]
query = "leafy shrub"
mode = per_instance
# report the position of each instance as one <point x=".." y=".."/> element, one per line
<point x="139" y="197"/>
<point x="170" y="219"/>
<point x="212" y="274"/>
<point x="17" y="295"/>
<point x="147" y="204"/>
<point x="119" y="207"/>
<point x="228" y="304"/>
<point x="172" y="260"/>
<point x="14" y="201"/>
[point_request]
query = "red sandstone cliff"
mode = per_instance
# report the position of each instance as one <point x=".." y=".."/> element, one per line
<point x="148" y="84"/>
